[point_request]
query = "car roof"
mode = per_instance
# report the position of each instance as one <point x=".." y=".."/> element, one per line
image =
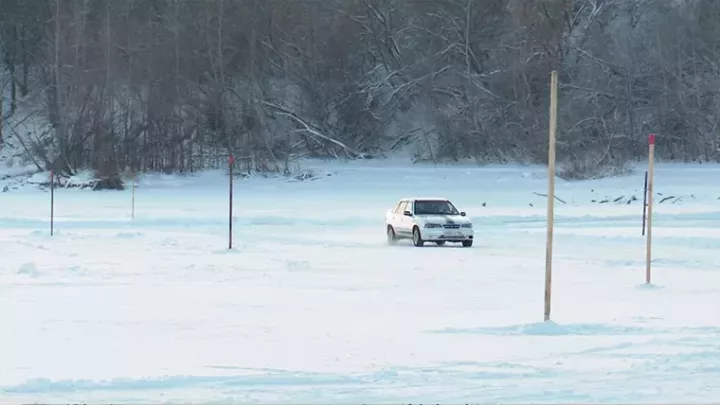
<point x="425" y="199"/>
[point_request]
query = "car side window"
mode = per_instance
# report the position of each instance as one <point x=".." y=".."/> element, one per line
<point x="401" y="207"/>
<point x="397" y="207"/>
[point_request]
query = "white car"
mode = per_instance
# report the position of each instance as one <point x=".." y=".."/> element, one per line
<point x="428" y="220"/>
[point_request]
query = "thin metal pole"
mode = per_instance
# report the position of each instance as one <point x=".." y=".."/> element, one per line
<point x="231" y="161"/>
<point x="132" y="213"/>
<point x="52" y="202"/>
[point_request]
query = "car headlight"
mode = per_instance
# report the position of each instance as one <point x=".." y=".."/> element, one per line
<point x="467" y="225"/>
<point x="433" y="226"/>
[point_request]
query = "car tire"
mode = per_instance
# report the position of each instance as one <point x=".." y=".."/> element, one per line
<point x="467" y="243"/>
<point x="391" y="236"/>
<point x="417" y="237"/>
<point x="440" y="242"/>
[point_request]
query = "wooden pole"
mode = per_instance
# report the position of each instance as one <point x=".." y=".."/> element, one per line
<point x="551" y="193"/>
<point x="132" y="213"/>
<point x="52" y="202"/>
<point x="231" y="162"/>
<point x="644" y="203"/>
<point x="651" y="174"/>
<point x="2" y="91"/>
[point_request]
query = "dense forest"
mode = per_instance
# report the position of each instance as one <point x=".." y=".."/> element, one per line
<point x="178" y="85"/>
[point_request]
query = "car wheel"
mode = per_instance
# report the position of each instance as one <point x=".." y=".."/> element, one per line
<point x="467" y="243"/>
<point x="417" y="238"/>
<point x="391" y="237"/>
<point x="440" y="242"/>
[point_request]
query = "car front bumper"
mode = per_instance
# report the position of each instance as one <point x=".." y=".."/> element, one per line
<point x="447" y="235"/>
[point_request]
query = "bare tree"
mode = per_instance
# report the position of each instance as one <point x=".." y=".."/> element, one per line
<point x="177" y="86"/>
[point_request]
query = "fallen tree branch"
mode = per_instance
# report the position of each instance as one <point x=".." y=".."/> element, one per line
<point x="312" y="131"/>
<point x="556" y="197"/>
<point x="28" y="152"/>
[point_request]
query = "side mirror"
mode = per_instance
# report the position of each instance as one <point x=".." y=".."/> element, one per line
<point x="407" y="213"/>
<point x="462" y="214"/>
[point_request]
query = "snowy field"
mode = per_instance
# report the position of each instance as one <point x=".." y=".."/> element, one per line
<point x="313" y="306"/>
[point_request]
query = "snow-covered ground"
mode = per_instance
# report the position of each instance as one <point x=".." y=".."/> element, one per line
<point x="313" y="306"/>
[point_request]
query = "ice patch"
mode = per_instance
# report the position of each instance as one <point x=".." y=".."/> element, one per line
<point x="644" y="319"/>
<point x="649" y="287"/>
<point x="298" y="265"/>
<point x="42" y="385"/>
<point x="39" y="233"/>
<point x="553" y="329"/>
<point x="270" y="220"/>
<point x="226" y="251"/>
<point x="77" y="270"/>
<point x="29" y="269"/>
<point x="128" y="235"/>
<point x="189" y="222"/>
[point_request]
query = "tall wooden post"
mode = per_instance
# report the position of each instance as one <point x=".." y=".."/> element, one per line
<point x="551" y="193"/>
<point x="651" y="175"/>
<point x="2" y="124"/>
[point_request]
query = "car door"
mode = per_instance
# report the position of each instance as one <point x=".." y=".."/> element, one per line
<point x="404" y="222"/>
<point x="394" y="217"/>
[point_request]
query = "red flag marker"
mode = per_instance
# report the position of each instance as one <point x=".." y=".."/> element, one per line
<point x="648" y="242"/>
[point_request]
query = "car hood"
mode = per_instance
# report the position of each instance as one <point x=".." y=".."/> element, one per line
<point x="444" y="219"/>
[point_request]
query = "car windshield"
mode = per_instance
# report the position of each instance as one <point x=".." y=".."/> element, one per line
<point x="435" y="208"/>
